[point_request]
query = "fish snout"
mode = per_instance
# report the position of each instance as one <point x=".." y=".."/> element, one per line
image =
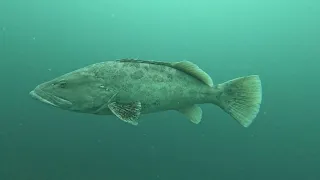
<point x="38" y="94"/>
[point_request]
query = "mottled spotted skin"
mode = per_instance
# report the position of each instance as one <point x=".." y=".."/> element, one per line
<point x="128" y="88"/>
<point x="157" y="85"/>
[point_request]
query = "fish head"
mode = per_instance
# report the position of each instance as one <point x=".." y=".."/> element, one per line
<point x="74" y="91"/>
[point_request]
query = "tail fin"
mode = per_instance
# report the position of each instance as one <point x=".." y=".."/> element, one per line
<point x="241" y="98"/>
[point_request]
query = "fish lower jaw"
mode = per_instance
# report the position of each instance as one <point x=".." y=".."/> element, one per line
<point x="36" y="96"/>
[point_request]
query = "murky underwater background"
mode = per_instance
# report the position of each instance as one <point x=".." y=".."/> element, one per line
<point x="276" y="39"/>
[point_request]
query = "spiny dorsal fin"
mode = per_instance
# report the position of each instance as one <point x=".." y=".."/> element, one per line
<point x="185" y="66"/>
<point x="146" y="62"/>
<point x="193" y="70"/>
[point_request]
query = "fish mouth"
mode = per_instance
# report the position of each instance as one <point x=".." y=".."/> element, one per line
<point x="36" y="96"/>
<point x="50" y="99"/>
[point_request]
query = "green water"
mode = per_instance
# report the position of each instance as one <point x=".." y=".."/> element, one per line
<point x="276" y="39"/>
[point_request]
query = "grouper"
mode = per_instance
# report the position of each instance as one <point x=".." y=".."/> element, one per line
<point x="129" y="88"/>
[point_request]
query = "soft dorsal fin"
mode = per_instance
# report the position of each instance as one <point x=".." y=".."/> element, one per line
<point x="193" y="70"/>
<point x="185" y="66"/>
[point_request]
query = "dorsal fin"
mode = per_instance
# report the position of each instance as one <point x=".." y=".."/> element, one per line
<point x="146" y="61"/>
<point x="193" y="70"/>
<point x="185" y="66"/>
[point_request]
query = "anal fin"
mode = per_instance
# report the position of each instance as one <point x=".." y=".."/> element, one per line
<point x="193" y="113"/>
<point x="128" y="112"/>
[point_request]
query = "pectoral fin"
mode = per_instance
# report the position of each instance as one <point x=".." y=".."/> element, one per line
<point x="193" y="113"/>
<point x="128" y="112"/>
